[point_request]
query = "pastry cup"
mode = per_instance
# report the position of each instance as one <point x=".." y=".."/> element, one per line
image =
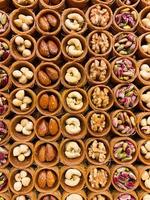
<point x="46" y="112"/>
<point x="85" y="100"/>
<point x="4" y="166"/>
<point x="116" y="194"/>
<point x="8" y="59"/>
<point x="106" y="194"/>
<point x="32" y="195"/>
<point x="77" y="3"/>
<point x="114" y="76"/>
<point x="140" y="50"/>
<point x="56" y="194"/>
<point x="42" y="66"/>
<point x="140" y="116"/>
<point x="141" y="28"/>
<point x="6" y="172"/>
<point x="71" y="161"/>
<point x="32" y="106"/>
<point x="115" y="53"/>
<point x="5" y="196"/>
<point x="133" y="169"/>
<point x="14" y="15"/>
<point x="119" y="139"/>
<point x="87" y="69"/>
<point x="81" y="193"/>
<point x="7" y="96"/>
<point x="105" y="131"/>
<point x="134" y="4"/>
<point x="139" y="77"/>
<point x="47" y="138"/>
<point x="7" y="31"/>
<point x="54" y="59"/>
<point x="17" y="136"/>
<point x="14" y="160"/>
<point x="16" y="55"/>
<point x="32" y="6"/>
<point x="65" y="13"/>
<point x="58" y="7"/>
<point x="83" y="131"/>
<point x="142" y="105"/>
<point x="116" y="101"/>
<point x="81" y="69"/>
<point x="46" y="164"/>
<point x="9" y="84"/>
<point x="106" y="187"/>
<point x="107" y="2"/>
<point x="114" y="130"/>
<point x="55" y="170"/>
<point x="110" y="95"/>
<point x="72" y="189"/>
<point x="99" y="28"/>
<point x="141" y="194"/>
<point x="84" y="47"/>
<point x="144" y="3"/>
<point x="7" y="137"/>
<point x="141" y="169"/>
<point x="140" y="155"/>
<point x="93" y="161"/>
<point x="17" y="65"/>
<point x="43" y="13"/>
<point x="116" y="26"/>
<point x="24" y="190"/>
<point x="91" y="52"/>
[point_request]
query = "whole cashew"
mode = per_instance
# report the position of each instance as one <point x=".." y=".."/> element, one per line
<point x="74" y="197"/>
<point x="72" y="177"/>
<point x="74" y="47"/>
<point x="74" y="21"/>
<point x="72" y="150"/>
<point x="73" y="75"/>
<point x="73" y="125"/>
<point x="74" y="100"/>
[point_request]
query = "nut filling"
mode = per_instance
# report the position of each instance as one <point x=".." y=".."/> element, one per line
<point x="25" y="2"/>
<point x="3" y="181"/>
<point x="124" y="178"/>
<point x="145" y="72"/>
<point x="24" y="127"/>
<point x="98" y="122"/>
<point x="47" y="197"/>
<point x="23" y="75"/>
<point x="74" y="21"/>
<point x="145" y="125"/>
<point x="4" y="22"/>
<point x="98" y="178"/>
<point x="99" y="43"/>
<point x="101" y="97"/>
<point x="146" y="21"/>
<point x="3" y="104"/>
<point x="21" y="152"/>
<point x="23" y="197"/>
<point x="4" y="51"/>
<point x="145" y="97"/>
<point x="3" y="78"/>
<point x="146" y="197"/>
<point x="99" y="197"/>
<point x="3" y="156"/>
<point x="97" y="151"/>
<point x="145" y="150"/>
<point x="74" y="47"/>
<point x="99" y="16"/>
<point x="146" y="44"/>
<point x="72" y="150"/>
<point x="124" y="123"/>
<point x="124" y="150"/>
<point x="126" y="196"/>
<point x="98" y="70"/>
<point x="73" y="76"/>
<point x="74" y="196"/>
<point x="74" y="100"/>
<point x="3" y="130"/>
<point x="24" y="22"/>
<point x="72" y="177"/>
<point x="145" y="177"/>
<point x="73" y="126"/>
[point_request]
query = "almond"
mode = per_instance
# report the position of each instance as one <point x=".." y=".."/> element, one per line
<point x="42" y="154"/>
<point x="52" y="73"/>
<point x="43" y="49"/>
<point x="53" y="48"/>
<point x="51" y="179"/>
<point x="52" y="20"/>
<point x="50" y="152"/>
<point x="53" y="127"/>
<point x="44" y="24"/>
<point x="42" y="179"/>
<point x="43" y="128"/>
<point x="43" y="78"/>
<point x="44" y="101"/>
<point x="53" y="103"/>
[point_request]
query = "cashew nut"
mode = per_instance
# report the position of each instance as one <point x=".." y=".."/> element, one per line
<point x="74" y="21"/>
<point x="72" y="150"/>
<point x="145" y="71"/>
<point x="73" y="125"/>
<point x="72" y="177"/>
<point x="74" y="47"/>
<point x="74" y="100"/>
<point x="73" y="75"/>
<point x="74" y="197"/>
